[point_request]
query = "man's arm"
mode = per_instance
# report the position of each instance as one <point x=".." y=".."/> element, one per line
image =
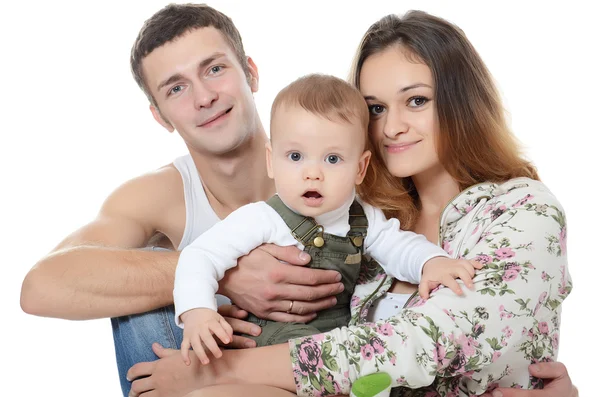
<point x="99" y="270"/>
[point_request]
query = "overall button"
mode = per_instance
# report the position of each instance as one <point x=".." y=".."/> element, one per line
<point x="318" y="242"/>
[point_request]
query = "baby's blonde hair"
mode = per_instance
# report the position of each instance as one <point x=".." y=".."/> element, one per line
<point x="326" y="96"/>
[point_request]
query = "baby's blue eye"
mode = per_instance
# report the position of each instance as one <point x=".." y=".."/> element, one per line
<point x="295" y="156"/>
<point x="333" y="159"/>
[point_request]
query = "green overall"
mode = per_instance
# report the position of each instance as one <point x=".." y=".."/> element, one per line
<point x="343" y="254"/>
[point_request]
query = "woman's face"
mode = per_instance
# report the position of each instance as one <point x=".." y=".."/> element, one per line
<point x="404" y="124"/>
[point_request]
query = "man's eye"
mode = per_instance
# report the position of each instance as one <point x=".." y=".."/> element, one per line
<point x="216" y="69"/>
<point x="295" y="156"/>
<point x="176" y="89"/>
<point x="333" y="159"/>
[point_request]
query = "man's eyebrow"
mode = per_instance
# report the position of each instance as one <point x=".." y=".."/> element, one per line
<point x="401" y="90"/>
<point x="201" y="65"/>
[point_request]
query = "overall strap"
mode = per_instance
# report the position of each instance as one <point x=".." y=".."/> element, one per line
<point x="304" y="229"/>
<point x="358" y="224"/>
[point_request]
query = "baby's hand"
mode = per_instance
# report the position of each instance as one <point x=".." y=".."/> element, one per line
<point x="440" y="270"/>
<point x="199" y="327"/>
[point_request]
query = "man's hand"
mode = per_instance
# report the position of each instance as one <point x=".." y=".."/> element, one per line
<point x="235" y="317"/>
<point x="557" y="383"/>
<point x="263" y="285"/>
<point x="168" y="376"/>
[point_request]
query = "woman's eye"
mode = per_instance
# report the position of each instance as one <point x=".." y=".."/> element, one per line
<point x="376" y="110"/>
<point x="295" y="156"/>
<point x="333" y="159"/>
<point x="417" y="101"/>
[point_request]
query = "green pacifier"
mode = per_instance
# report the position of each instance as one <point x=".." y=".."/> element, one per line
<point x="378" y="384"/>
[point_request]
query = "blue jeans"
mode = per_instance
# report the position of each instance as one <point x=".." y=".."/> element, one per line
<point x="134" y="335"/>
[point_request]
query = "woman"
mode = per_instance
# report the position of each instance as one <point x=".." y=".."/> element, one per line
<point x="447" y="166"/>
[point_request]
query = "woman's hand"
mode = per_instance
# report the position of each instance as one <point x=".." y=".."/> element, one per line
<point x="557" y="383"/>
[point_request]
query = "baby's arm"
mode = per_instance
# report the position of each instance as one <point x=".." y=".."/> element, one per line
<point x="204" y="262"/>
<point x="199" y="327"/>
<point x="401" y="253"/>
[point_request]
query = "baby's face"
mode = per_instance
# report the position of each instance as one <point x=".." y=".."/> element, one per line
<point x="315" y="162"/>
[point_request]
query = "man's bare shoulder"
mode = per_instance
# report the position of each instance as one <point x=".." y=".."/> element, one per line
<point x="146" y="195"/>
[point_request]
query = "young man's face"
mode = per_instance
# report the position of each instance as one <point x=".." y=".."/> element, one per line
<point x="202" y="92"/>
<point x="315" y="162"/>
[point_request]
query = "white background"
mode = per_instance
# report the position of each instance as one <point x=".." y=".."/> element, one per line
<point x="75" y="126"/>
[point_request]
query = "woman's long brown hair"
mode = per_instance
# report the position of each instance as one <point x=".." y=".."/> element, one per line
<point x="475" y="144"/>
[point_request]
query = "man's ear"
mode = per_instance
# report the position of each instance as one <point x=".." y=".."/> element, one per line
<point x="159" y="118"/>
<point x="363" y="163"/>
<point x="253" y="78"/>
<point x="269" y="153"/>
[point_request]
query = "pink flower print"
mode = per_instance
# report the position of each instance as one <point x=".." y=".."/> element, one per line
<point x="355" y="301"/>
<point x="446" y="247"/>
<point x="484" y="259"/>
<point x="498" y="211"/>
<point x="309" y="357"/>
<point x="385" y="329"/>
<point x="458" y="363"/>
<point x="377" y="345"/>
<point x="487" y="209"/>
<point x="439" y="356"/>
<point x="449" y="314"/>
<point x="504" y="253"/>
<point x="431" y="394"/>
<point x="541" y="300"/>
<point x="468" y="345"/>
<point x="507" y="331"/>
<point x="367" y="352"/>
<point x="319" y="337"/>
<point x="475" y="231"/>
<point x="417" y="301"/>
<point x="545" y="276"/>
<point x="495" y="356"/>
<point x="336" y="386"/>
<point x="510" y="275"/>
<point x="468" y="209"/>
<point x="555" y="340"/>
<point x="523" y="200"/>
<point x="562" y="241"/>
<point x="478" y="329"/>
<point x="543" y="327"/>
<point x="393" y="360"/>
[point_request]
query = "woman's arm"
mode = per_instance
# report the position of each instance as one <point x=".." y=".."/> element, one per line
<point x="509" y="321"/>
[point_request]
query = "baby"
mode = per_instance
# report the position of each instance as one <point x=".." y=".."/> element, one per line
<point x="316" y="156"/>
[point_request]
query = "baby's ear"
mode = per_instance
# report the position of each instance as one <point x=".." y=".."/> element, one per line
<point x="269" y="153"/>
<point x="363" y="163"/>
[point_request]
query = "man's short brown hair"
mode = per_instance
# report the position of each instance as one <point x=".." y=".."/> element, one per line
<point x="172" y="22"/>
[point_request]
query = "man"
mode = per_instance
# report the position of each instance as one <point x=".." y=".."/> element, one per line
<point x="190" y="62"/>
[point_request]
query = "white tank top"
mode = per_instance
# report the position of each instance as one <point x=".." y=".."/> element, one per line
<point x="199" y="215"/>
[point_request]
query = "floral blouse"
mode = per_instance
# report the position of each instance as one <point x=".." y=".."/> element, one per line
<point x="454" y="345"/>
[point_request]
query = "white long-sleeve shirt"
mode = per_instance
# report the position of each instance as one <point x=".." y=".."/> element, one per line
<point x="204" y="262"/>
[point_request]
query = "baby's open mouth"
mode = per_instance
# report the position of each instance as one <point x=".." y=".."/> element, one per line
<point x="312" y="194"/>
